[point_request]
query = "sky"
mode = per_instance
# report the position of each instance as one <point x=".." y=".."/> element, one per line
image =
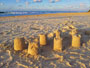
<point x="44" y="5"/>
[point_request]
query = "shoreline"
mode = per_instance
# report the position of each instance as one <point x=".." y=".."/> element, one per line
<point x="43" y="16"/>
<point x="58" y="14"/>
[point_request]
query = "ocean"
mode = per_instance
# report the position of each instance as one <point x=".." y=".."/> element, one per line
<point x="20" y="13"/>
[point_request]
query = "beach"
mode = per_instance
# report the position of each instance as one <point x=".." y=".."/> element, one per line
<point x="30" y="26"/>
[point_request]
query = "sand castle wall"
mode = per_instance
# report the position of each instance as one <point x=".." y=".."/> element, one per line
<point x="19" y="44"/>
<point x="33" y="48"/>
<point x="76" y="41"/>
<point x="73" y="32"/>
<point x="57" y="44"/>
<point x="42" y="39"/>
<point x="57" y="34"/>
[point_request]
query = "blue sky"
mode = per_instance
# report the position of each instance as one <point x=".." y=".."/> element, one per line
<point x="48" y="5"/>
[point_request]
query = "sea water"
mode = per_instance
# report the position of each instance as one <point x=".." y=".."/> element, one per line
<point x="20" y="13"/>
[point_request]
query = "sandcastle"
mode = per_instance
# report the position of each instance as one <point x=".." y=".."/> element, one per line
<point x="33" y="48"/>
<point x="36" y="40"/>
<point x="57" y="42"/>
<point x="76" y="41"/>
<point x="19" y="44"/>
<point x="73" y="32"/>
<point x="50" y="35"/>
<point x="57" y="33"/>
<point x="42" y="39"/>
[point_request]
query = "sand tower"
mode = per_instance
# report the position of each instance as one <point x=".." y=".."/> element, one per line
<point x="36" y="40"/>
<point x="73" y="32"/>
<point x="57" y="44"/>
<point x="42" y="39"/>
<point x="33" y="48"/>
<point x="57" y="33"/>
<point x="76" y="41"/>
<point x="19" y="44"/>
<point x="50" y="35"/>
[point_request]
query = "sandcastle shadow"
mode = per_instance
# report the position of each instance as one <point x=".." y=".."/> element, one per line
<point x="50" y="42"/>
<point x="48" y="48"/>
<point x="67" y="41"/>
<point x="85" y="33"/>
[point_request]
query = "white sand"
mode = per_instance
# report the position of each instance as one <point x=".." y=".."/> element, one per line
<point x="29" y="27"/>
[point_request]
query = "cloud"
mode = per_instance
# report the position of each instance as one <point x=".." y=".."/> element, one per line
<point x="19" y="5"/>
<point x="51" y="1"/>
<point x="37" y="0"/>
<point x="57" y="0"/>
<point x="17" y="1"/>
<point x="54" y="1"/>
<point x="83" y="5"/>
<point x="70" y="6"/>
<point x="34" y="0"/>
<point x="27" y="3"/>
<point x="1" y="4"/>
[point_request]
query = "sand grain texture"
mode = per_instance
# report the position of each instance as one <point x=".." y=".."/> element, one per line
<point x="32" y="26"/>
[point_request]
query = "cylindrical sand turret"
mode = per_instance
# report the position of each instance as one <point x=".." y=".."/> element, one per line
<point x="36" y="40"/>
<point x="57" y="33"/>
<point x="19" y="44"/>
<point x="73" y="32"/>
<point x="76" y="41"/>
<point x="33" y="48"/>
<point x="42" y="40"/>
<point x="57" y="44"/>
<point x="50" y="35"/>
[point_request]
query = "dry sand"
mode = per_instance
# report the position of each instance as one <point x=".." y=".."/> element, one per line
<point x="32" y="26"/>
